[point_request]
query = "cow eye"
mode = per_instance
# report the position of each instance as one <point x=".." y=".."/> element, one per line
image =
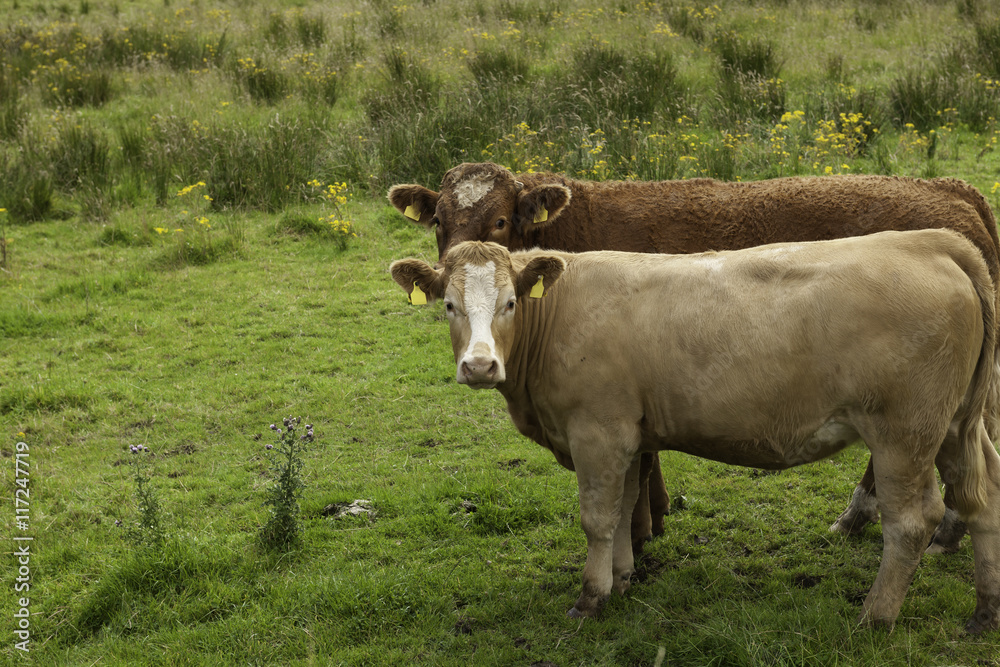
<point x="500" y="223"/>
<point x="511" y="304"/>
<point x="436" y="221"/>
<point x="450" y="307"/>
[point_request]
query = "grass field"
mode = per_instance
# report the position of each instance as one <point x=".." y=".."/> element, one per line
<point x="195" y="242"/>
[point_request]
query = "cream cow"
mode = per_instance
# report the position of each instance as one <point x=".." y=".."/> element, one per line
<point x="768" y="357"/>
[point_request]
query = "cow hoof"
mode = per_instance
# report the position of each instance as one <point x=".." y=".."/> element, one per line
<point x="948" y="535"/>
<point x="866" y="621"/>
<point x="576" y="613"/>
<point x="983" y="621"/>
<point x="934" y="548"/>
<point x="851" y="525"/>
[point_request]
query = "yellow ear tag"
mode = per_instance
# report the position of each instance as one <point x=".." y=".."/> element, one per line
<point x="538" y="290"/>
<point x="412" y="213"/>
<point x="417" y="297"/>
<point x="542" y="214"/>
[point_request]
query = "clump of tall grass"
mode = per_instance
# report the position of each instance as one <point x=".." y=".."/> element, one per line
<point x="749" y="85"/>
<point x="260" y="80"/>
<point x="81" y="156"/>
<point x="988" y="45"/>
<point x="259" y="167"/>
<point x="495" y="66"/>
<point x="536" y="12"/>
<point x="12" y="110"/>
<point x="917" y="98"/>
<point x="71" y="86"/>
<point x="408" y="88"/>
<point x="749" y="55"/>
<point x="616" y="84"/>
<point x="181" y="49"/>
<point x="692" y="22"/>
<point x="748" y="97"/>
<point x="27" y="190"/>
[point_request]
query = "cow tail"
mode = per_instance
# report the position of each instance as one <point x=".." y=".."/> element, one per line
<point x="991" y="415"/>
<point x="975" y="199"/>
<point x="968" y="472"/>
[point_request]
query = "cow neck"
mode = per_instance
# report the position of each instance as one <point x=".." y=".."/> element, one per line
<point x="527" y="352"/>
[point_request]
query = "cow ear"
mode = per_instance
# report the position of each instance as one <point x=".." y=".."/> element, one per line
<point x="416" y="273"/>
<point x="540" y="205"/>
<point x="415" y="202"/>
<point x="538" y="275"/>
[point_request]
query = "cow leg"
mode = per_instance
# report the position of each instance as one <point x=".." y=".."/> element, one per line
<point x="605" y="457"/>
<point x="911" y="508"/>
<point x="863" y="508"/>
<point x="642" y="524"/>
<point x="623" y="564"/>
<point x="951" y="530"/>
<point x="659" y="499"/>
<point x="985" y="530"/>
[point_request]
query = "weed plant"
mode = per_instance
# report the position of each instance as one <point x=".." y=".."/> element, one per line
<point x="283" y="529"/>
<point x="146" y="529"/>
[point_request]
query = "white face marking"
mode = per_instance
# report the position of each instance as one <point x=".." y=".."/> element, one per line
<point x="480" y="298"/>
<point x="472" y="189"/>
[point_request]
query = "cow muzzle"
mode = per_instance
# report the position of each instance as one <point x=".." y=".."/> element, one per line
<point x="481" y="372"/>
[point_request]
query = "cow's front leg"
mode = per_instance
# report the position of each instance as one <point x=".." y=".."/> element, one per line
<point x="604" y="461"/>
<point x="911" y="507"/>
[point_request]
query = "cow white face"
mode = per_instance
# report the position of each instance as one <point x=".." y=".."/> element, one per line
<point x="483" y="291"/>
<point x="480" y="305"/>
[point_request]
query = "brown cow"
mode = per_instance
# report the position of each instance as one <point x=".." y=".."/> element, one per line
<point x="486" y="202"/>
<point x="769" y="357"/>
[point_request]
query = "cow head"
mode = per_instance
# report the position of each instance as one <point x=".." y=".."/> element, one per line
<point x="482" y="287"/>
<point x="481" y="202"/>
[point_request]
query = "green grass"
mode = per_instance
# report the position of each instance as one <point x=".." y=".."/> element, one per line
<point x="179" y="274"/>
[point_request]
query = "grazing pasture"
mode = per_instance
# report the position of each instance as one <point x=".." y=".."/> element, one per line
<point x="194" y="244"/>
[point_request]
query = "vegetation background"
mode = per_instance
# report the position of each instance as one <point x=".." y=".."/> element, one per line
<point x="194" y="244"/>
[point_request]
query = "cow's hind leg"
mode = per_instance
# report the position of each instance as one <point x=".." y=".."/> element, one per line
<point x="911" y="508"/>
<point x="651" y="505"/>
<point x="623" y="561"/>
<point x="948" y="536"/>
<point x="985" y="530"/>
<point x="642" y="523"/>
<point x="863" y="508"/>
<point x="659" y="499"/>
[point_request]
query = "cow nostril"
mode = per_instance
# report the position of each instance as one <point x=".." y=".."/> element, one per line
<point x="492" y="370"/>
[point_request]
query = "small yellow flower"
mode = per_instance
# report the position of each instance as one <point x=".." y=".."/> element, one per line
<point x="160" y="230"/>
